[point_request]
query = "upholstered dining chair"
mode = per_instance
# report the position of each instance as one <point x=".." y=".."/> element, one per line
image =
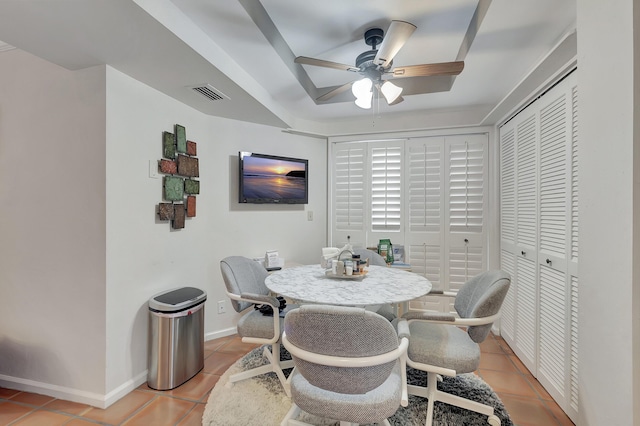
<point x="244" y="280"/>
<point x="350" y="364"/>
<point x="439" y="346"/>
<point x="374" y="258"/>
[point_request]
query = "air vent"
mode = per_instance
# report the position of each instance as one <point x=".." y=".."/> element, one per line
<point x="5" y="47"/>
<point x="210" y="92"/>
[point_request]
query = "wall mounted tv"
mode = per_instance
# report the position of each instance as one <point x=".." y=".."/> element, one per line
<point x="273" y="179"/>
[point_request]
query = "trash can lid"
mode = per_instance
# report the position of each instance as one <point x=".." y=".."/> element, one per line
<point x="178" y="299"/>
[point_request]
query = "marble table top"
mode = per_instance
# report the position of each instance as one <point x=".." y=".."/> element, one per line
<point x="379" y="286"/>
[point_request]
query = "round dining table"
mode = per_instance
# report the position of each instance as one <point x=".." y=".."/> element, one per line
<point x="380" y="285"/>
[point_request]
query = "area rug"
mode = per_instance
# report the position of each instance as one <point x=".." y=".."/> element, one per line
<point x="261" y="400"/>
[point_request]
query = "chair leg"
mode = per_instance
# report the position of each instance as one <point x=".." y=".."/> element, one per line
<point x="432" y="393"/>
<point x="291" y="415"/>
<point x="272" y="366"/>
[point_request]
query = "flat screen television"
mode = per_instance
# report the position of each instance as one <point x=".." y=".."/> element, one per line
<point x="273" y="179"/>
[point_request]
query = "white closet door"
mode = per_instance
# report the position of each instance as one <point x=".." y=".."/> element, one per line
<point x="508" y="227"/>
<point x="554" y="183"/>
<point x="539" y="247"/>
<point x="349" y="203"/>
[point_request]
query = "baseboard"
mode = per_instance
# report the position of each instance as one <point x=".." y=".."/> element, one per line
<point x="125" y="388"/>
<point x="60" y="392"/>
<point x="90" y="398"/>
<point x="69" y="394"/>
<point x="220" y="333"/>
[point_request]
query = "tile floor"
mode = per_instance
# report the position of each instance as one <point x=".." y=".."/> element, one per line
<point x="526" y="401"/>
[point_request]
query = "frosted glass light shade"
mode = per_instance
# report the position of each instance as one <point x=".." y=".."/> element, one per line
<point x="361" y="88"/>
<point x="364" y="101"/>
<point x="390" y="91"/>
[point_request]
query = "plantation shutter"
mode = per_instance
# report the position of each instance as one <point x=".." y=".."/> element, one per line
<point x="425" y="201"/>
<point x="466" y="184"/>
<point x="466" y="160"/>
<point x="349" y="193"/>
<point x="386" y="187"/>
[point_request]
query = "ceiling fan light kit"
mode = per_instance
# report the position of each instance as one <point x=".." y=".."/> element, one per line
<point x="390" y="91"/>
<point x="377" y="62"/>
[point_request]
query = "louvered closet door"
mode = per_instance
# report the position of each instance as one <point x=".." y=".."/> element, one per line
<point x="349" y="203"/>
<point x="385" y="193"/>
<point x="508" y="227"/>
<point x="557" y="258"/>
<point x="526" y="237"/>
<point x="539" y="239"/>
<point x="425" y="215"/>
<point x="519" y="139"/>
<point x="465" y="201"/>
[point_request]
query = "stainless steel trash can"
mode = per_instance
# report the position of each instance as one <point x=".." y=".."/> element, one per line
<point x="176" y="337"/>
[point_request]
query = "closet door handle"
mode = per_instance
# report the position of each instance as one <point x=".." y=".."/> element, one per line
<point x="548" y="262"/>
<point x="466" y="240"/>
<point x="524" y="253"/>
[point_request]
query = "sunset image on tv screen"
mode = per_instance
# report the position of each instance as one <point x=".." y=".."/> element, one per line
<point x="268" y="178"/>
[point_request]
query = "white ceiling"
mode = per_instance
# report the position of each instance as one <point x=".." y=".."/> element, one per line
<point x="173" y="45"/>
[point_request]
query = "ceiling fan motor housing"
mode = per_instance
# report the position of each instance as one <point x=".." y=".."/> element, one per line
<point x="373" y="37"/>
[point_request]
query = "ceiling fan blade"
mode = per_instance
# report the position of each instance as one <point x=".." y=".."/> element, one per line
<point x="395" y="37"/>
<point x="334" y="92"/>
<point x="327" y="64"/>
<point x="442" y="68"/>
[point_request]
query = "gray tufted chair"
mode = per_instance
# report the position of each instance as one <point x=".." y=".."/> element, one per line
<point x="374" y="258"/>
<point x="244" y="280"/>
<point x="439" y="346"/>
<point x="350" y="364"/>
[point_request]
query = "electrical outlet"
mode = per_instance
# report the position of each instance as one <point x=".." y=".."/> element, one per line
<point x="310" y="215"/>
<point x="221" y="307"/>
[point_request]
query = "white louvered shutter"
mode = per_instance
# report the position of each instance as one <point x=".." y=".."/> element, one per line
<point x="386" y="187"/>
<point x="507" y="185"/>
<point x="348" y="193"/>
<point x="425" y="200"/>
<point x="466" y="159"/>
<point x="425" y="218"/>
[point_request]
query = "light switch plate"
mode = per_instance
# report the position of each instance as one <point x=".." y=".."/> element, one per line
<point x="153" y="169"/>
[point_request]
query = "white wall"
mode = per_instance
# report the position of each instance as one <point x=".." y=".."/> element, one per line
<point x="145" y="256"/>
<point x="52" y="227"/>
<point x="609" y="239"/>
<point x="82" y="250"/>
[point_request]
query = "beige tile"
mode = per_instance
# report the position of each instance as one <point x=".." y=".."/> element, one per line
<point x="67" y="407"/>
<point x="490" y="346"/>
<point x="499" y="362"/>
<point x="194" y="418"/>
<point x="237" y="346"/>
<point x="80" y="422"/>
<point x="559" y="414"/>
<point x="196" y="388"/>
<point x="218" y="362"/>
<point x="161" y="411"/>
<point x="510" y="383"/>
<point x="528" y="411"/>
<point x="10" y="412"/>
<point x="542" y="393"/>
<point x="519" y="365"/>
<point x="43" y="417"/>
<point x="7" y="393"/>
<point x="121" y="409"/>
<point x="32" y="399"/>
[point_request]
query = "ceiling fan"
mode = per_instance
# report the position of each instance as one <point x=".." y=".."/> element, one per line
<point x="375" y="65"/>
